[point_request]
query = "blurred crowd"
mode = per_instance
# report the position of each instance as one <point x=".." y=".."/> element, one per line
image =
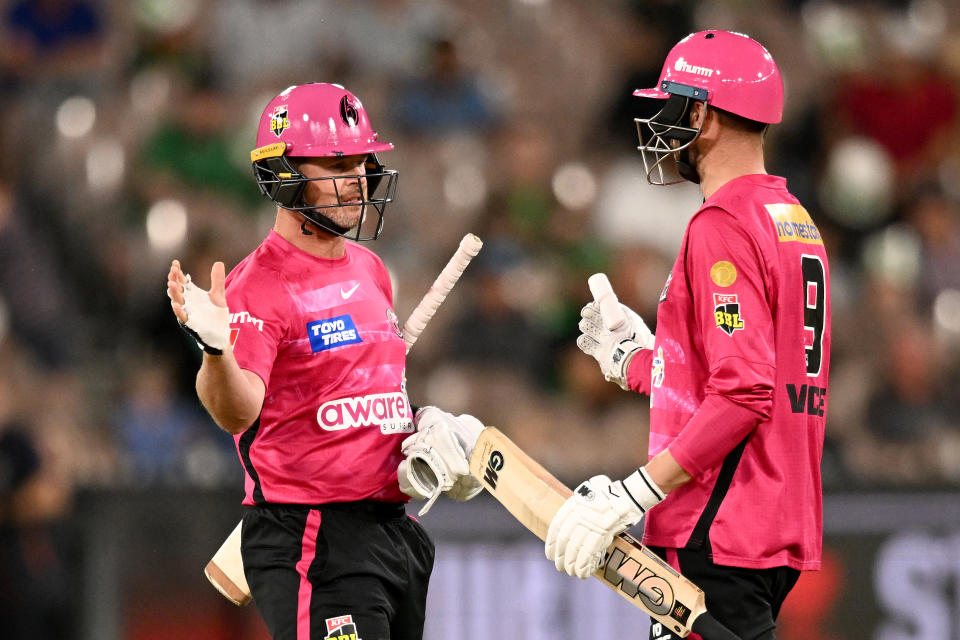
<point x="126" y="131"/>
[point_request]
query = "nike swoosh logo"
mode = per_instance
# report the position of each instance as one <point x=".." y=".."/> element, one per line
<point x="347" y="294"/>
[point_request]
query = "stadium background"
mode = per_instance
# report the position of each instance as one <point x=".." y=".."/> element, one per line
<point x="126" y="128"/>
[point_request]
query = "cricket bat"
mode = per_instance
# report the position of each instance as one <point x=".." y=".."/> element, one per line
<point x="533" y="496"/>
<point x="225" y="569"/>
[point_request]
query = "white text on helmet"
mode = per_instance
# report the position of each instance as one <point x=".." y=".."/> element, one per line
<point x="683" y="65"/>
<point x="390" y="411"/>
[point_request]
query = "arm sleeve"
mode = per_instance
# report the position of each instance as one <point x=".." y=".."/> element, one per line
<point x="728" y="281"/>
<point x="638" y="371"/>
<point x="257" y="323"/>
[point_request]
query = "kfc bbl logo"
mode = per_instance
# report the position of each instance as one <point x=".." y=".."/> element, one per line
<point x="279" y="120"/>
<point x="341" y="628"/>
<point x="726" y="311"/>
<point x="348" y="112"/>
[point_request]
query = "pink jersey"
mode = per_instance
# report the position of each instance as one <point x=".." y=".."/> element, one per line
<point x="323" y="337"/>
<point x="742" y="358"/>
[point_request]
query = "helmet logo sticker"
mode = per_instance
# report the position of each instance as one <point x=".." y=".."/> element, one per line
<point x="683" y="65"/>
<point x="348" y="112"/>
<point x="279" y="120"/>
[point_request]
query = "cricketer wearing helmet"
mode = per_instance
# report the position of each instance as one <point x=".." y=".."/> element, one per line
<point x="737" y="371"/>
<point x="304" y="363"/>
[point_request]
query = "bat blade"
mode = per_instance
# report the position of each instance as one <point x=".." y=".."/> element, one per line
<point x="225" y="570"/>
<point x="533" y="496"/>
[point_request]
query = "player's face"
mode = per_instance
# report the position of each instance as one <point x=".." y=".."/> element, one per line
<point x="350" y="188"/>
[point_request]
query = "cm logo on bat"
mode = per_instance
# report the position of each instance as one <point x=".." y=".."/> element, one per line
<point x="637" y="581"/>
<point x="494" y="464"/>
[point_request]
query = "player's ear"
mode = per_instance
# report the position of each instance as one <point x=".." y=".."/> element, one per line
<point x="698" y="112"/>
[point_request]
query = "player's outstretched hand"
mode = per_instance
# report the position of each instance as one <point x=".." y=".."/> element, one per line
<point x="584" y="527"/>
<point x="202" y="314"/>
<point x="612" y="349"/>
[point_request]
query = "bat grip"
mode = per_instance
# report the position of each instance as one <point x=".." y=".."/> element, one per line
<point x="469" y="247"/>
<point x="611" y="313"/>
<point x="711" y="629"/>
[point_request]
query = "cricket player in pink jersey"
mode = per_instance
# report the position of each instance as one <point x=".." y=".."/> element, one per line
<point x="304" y="363"/>
<point x="737" y="372"/>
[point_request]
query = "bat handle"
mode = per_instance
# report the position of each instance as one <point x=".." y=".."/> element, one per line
<point x="711" y="629"/>
<point x="613" y="316"/>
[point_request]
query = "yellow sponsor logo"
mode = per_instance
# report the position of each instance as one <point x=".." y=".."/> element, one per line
<point x="723" y="273"/>
<point x="794" y="224"/>
<point x="274" y="150"/>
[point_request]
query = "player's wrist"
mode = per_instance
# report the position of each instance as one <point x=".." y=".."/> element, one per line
<point x="619" y="361"/>
<point x="642" y="491"/>
<point x="201" y="343"/>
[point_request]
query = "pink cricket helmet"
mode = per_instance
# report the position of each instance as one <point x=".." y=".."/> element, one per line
<point x="736" y="73"/>
<point x="726" y="70"/>
<point x="319" y="120"/>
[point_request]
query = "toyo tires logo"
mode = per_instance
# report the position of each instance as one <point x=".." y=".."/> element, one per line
<point x="389" y="411"/>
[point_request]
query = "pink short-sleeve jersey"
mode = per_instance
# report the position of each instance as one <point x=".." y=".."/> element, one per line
<point x="323" y="336"/>
<point x="737" y="380"/>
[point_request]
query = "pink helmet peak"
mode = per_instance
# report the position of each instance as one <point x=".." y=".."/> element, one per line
<point x="731" y="71"/>
<point x="318" y="120"/>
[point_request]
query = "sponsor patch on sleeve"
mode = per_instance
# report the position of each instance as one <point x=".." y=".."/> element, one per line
<point x="342" y="628"/>
<point x="793" y="224"/>
<point x="332" y="332"/>
<point x="726" y="312"/>
<point x="723" y="273"/>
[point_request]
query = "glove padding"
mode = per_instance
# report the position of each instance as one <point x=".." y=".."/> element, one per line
<point x="207" y="323"/>
<point x="585" y="525"/>
<point x="438" y="457"/>
<point x="613" y="350"/>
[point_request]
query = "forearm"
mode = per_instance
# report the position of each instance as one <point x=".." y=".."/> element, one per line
<point x="666" y="472"/>
<point x="230" y="395"/>
<point x="717" y="427"/>
<point x="638" y="371"/>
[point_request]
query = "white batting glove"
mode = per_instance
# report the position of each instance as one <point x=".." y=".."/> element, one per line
<point x="613" y="350"/>
<point x="207" y="323"/>
<point x="585" y="525"/>
<point x="438" y="457"/>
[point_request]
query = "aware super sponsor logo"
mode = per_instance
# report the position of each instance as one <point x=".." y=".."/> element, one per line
<point x="793" y="224"/>
<point x="389" y="411"/>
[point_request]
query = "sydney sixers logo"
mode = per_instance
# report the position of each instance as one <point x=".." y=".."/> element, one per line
<point x="349" y="112"/>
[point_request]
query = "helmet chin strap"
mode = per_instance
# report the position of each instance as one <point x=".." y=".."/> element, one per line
<point x="685" y="166"/>
<point x="321" y="221"/>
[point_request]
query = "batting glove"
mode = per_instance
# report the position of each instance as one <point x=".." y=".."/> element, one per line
<point x="438" y="457"/>
<point x="207" y="323"/>
<point x="599" y="509"/>
<point x="612" y="350"/>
